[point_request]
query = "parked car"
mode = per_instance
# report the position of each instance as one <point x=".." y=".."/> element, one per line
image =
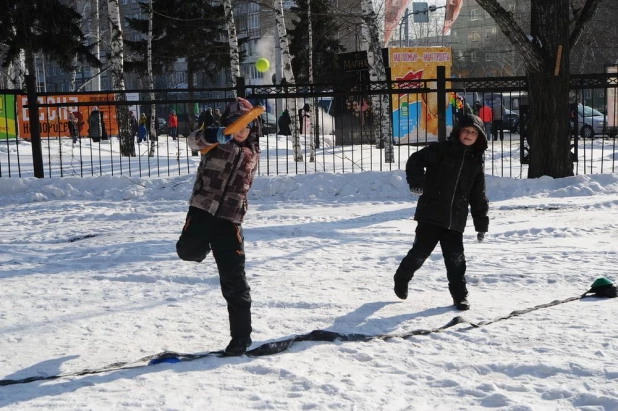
<point x="592" y="122"/>
<point x="161" y="125"/>
<point x="510" y="121"/>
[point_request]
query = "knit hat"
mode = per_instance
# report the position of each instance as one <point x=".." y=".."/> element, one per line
<point x="234" y="110"/>
<point x="471" y="120"/>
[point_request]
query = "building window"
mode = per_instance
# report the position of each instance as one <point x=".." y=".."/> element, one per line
<point x="473" y="56"/>
<point x="488" y="57"/>
<point x="473" y="14"/>
<point x="125" y="1"/>
<point x="489" y="33"/>
<point x="587" y="93"/>
<point x="474" y="36"/>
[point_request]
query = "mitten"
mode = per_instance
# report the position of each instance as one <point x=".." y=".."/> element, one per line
<point x="480" y="237"/>
<point x="222" y="138"/>
<point x="417" y="191"/>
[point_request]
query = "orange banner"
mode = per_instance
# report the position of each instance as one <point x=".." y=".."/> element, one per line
<point x="53" y="120"/>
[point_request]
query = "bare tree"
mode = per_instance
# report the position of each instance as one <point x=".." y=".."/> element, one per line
<point x="545" y="51"/>
<point x="127" y="145"/>
<point x="233" y="41"/>
<point x="288" y="75"/>
<point x="377" y="72"/>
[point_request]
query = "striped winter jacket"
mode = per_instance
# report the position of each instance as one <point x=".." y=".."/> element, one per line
<point x="224" y="176"/>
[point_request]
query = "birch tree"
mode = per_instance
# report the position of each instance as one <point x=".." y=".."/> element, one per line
<point x="311" y="115"/>
<point x="153" y="106"/>
<point x="288" y="76"/>
<point x="233" y="42"/>
<point x="377" y="72"/>
<point x="555" y="29"/>
<point x="127" y="145"/>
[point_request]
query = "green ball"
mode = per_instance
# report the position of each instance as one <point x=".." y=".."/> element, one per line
<point x="262" y="65"/>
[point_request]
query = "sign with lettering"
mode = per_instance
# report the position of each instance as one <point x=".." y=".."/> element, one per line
<point x="354" y="61"/>
<point x="415" y="114"/>
<point x="54" y="120"/>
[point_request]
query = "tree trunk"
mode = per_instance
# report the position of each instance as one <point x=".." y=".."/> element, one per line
<point x="127" y="145"/>
<point x="549" y="136"/>
<point x="153" y="106"/>
<point x="288" y="77"/>
<point x="233" y="42"/>
<point x="309" y="130"/>
<point x="377" y="72"/>
<point x="550" y="153"/>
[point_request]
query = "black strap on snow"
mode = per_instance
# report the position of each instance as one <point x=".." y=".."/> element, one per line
<point x="277" y="347"/>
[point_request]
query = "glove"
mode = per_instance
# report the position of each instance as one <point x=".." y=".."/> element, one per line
<point x="480" y="237"/>
<point x="417" y="191"/>
<point x="222" y="138"/>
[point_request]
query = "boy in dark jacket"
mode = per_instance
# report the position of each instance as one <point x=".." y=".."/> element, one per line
<point x="216" y="210"/>
<point x="449" y="177"/>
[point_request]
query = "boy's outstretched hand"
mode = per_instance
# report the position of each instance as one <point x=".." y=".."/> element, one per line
<point x="480" y="237"/>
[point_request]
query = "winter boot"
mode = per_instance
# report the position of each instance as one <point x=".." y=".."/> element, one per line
<point x="401" y="287"/>
<point x="238" y="346"/>
<point x="462" y="304"/>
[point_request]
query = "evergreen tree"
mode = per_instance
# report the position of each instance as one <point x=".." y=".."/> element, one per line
<point x="325" y="43"/>
<point x="43" y="26"/>
<point x="191" y="29"/>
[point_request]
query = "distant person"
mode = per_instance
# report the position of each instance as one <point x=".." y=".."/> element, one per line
<point x="449" y="178"/>
<point x="142" y="128"/>
<point x="103" y="129"/>
<point x="304" y="115"/>
<point x="485" y="114"/>
<point x="173" y="125"/>
<point x="284" y="123"/>
<point x="497" y="114"/>
<point x="72" y="125"/>
<point x="217" y="117"/>
<point x="94" y="125"/>
<point x="216" y="212"/>
<point x="133" y="126"/>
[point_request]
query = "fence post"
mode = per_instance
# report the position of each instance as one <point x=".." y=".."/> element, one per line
<point x="35" y="126"/>
<point x="441" y="90"/>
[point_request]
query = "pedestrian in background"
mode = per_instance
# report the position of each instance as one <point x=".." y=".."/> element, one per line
<point x="173" y="125"/>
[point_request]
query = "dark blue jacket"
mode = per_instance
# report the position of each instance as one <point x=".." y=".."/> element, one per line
<point x="452" y="178"/>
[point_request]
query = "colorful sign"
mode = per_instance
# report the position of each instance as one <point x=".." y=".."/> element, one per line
<point x="415" y="115"/>
<point x="54" y="120"/>
<point x="7" y="117"/>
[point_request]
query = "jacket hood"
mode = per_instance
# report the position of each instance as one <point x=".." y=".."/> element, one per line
<point x="467" y="121"/>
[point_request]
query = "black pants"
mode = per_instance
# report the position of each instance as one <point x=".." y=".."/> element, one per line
<point x="202" y="233"/>
<point x="497" y="129"/>
<point x="451" y="242"/>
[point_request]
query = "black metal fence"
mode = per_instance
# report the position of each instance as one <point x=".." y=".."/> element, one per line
<point x="339" y="133"/>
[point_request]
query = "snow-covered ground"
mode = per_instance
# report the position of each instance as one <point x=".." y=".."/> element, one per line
<point x="89" y="276"/>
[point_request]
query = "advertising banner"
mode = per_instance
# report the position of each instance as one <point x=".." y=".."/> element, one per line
<point x="7" y="117"/>
<point x="415" y="115"/>
<point x="54" y="119"/>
